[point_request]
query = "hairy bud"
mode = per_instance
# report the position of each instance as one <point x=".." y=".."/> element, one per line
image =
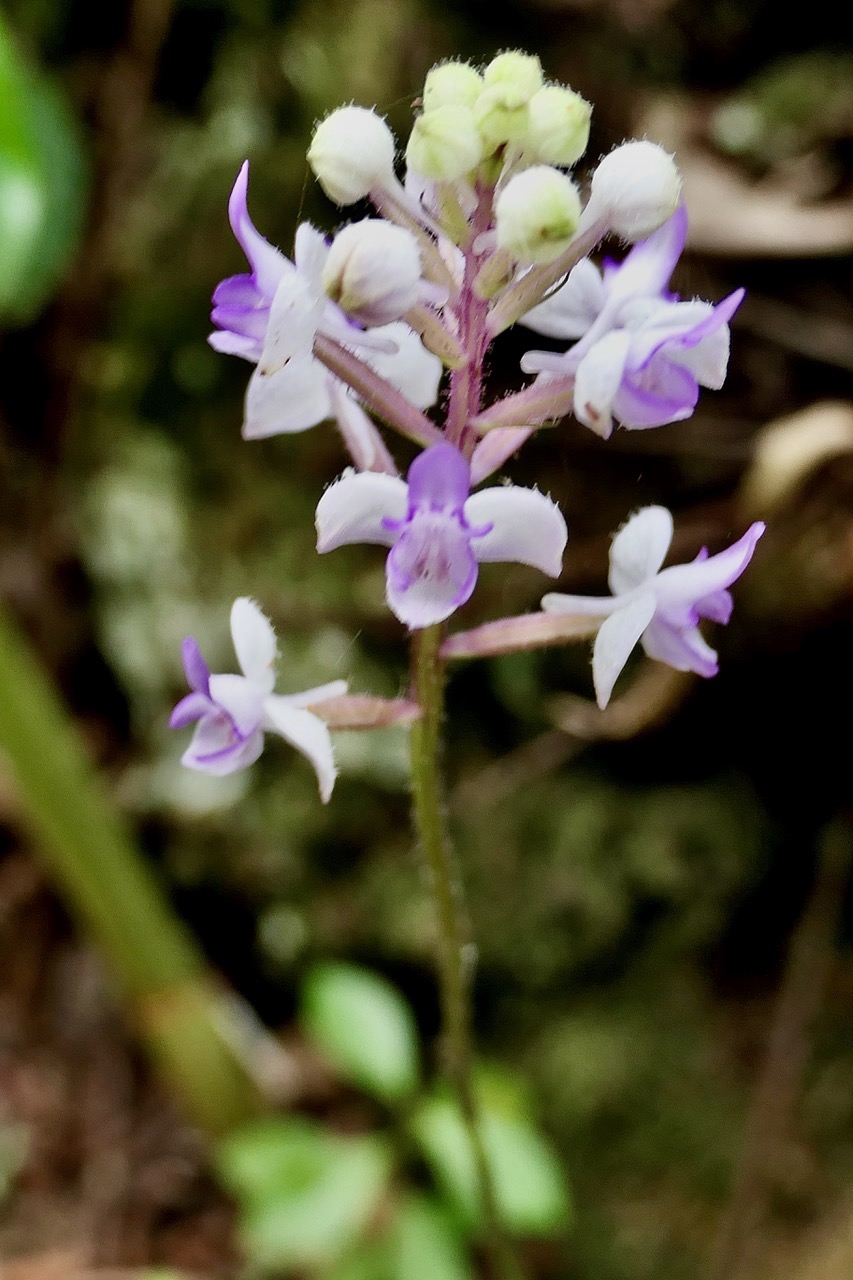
<point x="637" y="187"/>
<point x="352" y="154"/>
<point x="537" y="214"/>
<point x="373" y="271"/>
<point x="444" y="144"/>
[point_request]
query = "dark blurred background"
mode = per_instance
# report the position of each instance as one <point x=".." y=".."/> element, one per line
<point x="635" y="879"/>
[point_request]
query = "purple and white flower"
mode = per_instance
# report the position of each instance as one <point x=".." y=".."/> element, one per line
<point x="660" y="608"/>
<point x="438" y="532"/>
<point x="271" y="316"/>
<point x="232" y="712"/>
<point x="642" y="353"/>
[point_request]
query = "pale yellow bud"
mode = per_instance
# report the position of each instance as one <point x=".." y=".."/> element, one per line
<point x="444" y="144"/>
<point x="452" y="84"/>
<point x="537" y="214"/>
<point x="518" y="73"/>
<point x="558" y="128"/>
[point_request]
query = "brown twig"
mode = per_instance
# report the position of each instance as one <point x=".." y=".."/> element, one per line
<point x="779" y="1084"/>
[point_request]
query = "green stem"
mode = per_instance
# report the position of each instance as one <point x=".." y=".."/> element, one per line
<point x="190" y="1025"/>
<point x="454" y="950"/>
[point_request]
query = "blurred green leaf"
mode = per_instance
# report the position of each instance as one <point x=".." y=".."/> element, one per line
<point x="305" y="1195"/>
<point x="365" y="1027"/>
<point x="42" y="185"/>
<point x="425" y="1244"/>
<point x="529" y="1183"/>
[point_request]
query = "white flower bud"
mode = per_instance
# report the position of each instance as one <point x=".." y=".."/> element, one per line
<point x="637" y="187"/>
<point x="444" y="144"/>
<point x="352" y="154"/>
<point x="452" y="84"/>
<point x="558" y="127"/>
<point x="373" y="271"/>
<point x="521" y="73"/>
<point x="537" y="214"/>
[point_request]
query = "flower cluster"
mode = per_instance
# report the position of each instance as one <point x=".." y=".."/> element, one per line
<point x="487" y="227"/>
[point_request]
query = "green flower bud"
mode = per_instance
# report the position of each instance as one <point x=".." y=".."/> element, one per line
<point x="352" y="154"/>
<point x="444" y="144"/>
<point x="558" y="129"/>
<point x="518" y="73"/>
<point x="500" y="117"/>
<point x="537" y="214"/>
<point x="452" y="84"/>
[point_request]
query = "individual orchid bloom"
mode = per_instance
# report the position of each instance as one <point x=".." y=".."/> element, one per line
<point x="660" y="608"/>
<point x="642" y="353"/>
<point x="233" y="712"/>
<point x="438" y="532"/>
<point x="271" y="316"/>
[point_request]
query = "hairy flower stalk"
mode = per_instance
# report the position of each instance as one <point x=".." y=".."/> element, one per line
<point x="489" y="228"/>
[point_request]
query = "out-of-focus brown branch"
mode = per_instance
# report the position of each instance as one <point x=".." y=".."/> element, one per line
<point x="779" y="1086"/>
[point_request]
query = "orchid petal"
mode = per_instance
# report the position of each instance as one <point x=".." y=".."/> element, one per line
<point x="190" y="709"/>
<point x="597" y="382"/>
<point x="195" y="667"/>
<point x="639" y="549"/>
<point x="267" y="263"/>
<point x="616" y="637"/>
<point x="717" y="606"/>
<point x="254" y="643"/>
<point x="663" y="392"/>
<point x="218" y="750"/>
<point x="310" y="251"/>
<point x="431" y="570"/>
<point x="586" y="606"/>
<point x="685" y="584"/>
<point x="292" y="399"/>
<point x="295" y="314"/>
<point x="411" y="368"/>
<point x="647" y="268"/>
<point x="685" y="649"/>
<point x="523" y="525"/>
<point x="366" y="446"/>
<point x="235" y="344"/>
<point x="439" y="479"/>
<point x="321" y="693"/>
<point x="359" y="508"/>
<point x="572" y="308"/>
<point x="308" y="734"/>
<point x="241" y="699"/>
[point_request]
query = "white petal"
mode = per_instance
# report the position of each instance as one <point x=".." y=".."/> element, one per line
<point x="616" y="638"/>
<point x="527" y="528"/>
<point x="708" y="361"/>
<point x="310" y="253"/>
<point x="364" y="443"/>
<point x="241" y="698"/>
<point x="308" y="734"/>
<point x="294" y="398"/>
<point x="597" y="381"/>
<point x="570" y="310"/>
<point x="320" y="693"/>
<point x="295" y="314"/>
<point x="586" y="606"/>
<point x="254" y="643"/>
<point x="353" y="509"/>
<point x="639" y="548"/>
<point x="235" y="344"/>
<point x="411" y="368"/>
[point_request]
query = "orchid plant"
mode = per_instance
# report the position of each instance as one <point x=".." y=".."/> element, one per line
<point x="388" y="325"/>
